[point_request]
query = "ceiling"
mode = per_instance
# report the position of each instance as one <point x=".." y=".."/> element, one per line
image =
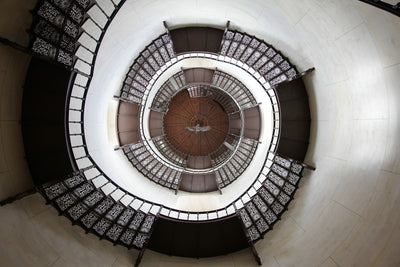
<point x="344" y="213"/>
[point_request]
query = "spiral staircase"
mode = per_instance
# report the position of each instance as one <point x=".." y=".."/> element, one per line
<point x="65" y="40"/>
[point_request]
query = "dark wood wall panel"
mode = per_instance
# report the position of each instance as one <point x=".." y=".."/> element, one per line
<point x="199" y="162"/>
<point x="198" y="239"/>
<point x="198" y="183"/>
<point x="128" y="123"/>
<point x="252" y="123"/>
<point x="156" y="123"/>
<point x="296" y="119"/>
<point x="191" y="39"/>
<point x="198" y="75"/>
<point x="43" y="105"/>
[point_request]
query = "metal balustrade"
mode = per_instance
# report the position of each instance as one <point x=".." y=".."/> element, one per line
<point x="263" y="58"/>
<point x="136" y="85"/>
<point x="100" y="179"/>
<point x="70" y="32"/>
<point x="85" y="205"/>
<point x="237" y="164"/>
<point x="150" y="61"/>
<point x="57" y="42"/>
<point x="170" y="152"/>
<point x="160" y="103"/>
<point x="56" y="28"/>
<point x="89" y="207"/>
<point x="148" y="165"/>
<point x="224" y="152"/>
<point x="199" y="91"/>
<point x="167" y="91"/>
<point x="266" y="207"/>
<point x="234" y="87"/>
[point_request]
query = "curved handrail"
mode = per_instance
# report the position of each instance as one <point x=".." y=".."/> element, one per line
<point x="198" y="215"/>
<point x="85" y="162"/>
<point x="213" y="168"/>
<point x="394" y="9"/>
<point x="66" y="128"/>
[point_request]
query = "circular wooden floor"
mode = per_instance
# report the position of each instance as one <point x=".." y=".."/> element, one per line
<point x="185" y="113"/>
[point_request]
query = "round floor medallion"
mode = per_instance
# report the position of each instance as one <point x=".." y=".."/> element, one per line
<point x="195" y="125"/>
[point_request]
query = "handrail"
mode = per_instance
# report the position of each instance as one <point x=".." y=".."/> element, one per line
<point x="213" y="168"/>
<point x="82" y="83"/>
<point x="175" y="60"/>
<point x="199" y="215"/>
<point x="66" y="128"/>
<point x="394" y="9"/>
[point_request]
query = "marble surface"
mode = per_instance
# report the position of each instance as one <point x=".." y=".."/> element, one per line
<point x="346" y="212"/>
<point x="14" y="172"/>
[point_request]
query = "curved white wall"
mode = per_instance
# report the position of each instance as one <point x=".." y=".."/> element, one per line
<point x="344" y="213"/>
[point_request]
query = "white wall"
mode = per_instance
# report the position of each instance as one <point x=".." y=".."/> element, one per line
<point x="14" y="173"/>
<point x="344" y="213"/>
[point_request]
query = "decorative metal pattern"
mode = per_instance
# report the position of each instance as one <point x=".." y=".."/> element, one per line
<point x="127" y="237"/>
<point x="83" y="190"/>
<point x="262" y="226"/>
<point x="98" y="213"/>
<point x="283" y="162"/>
<point x="276" y="179"/>
<point x="65" y="201"/>
<point x="271" y="187"/>
<point x="279" y="170"/>
<point x="136" y="221"/>
<point x="56" y="27"/>
<point x="44" y="48"/>
<point x="270" y="217"/>
<point x="101" y="226"/>
<point x="270" y="201"/>
<point x="125" y="217"/>
<point x="55" y="190"/>
<point x="260" y="203"/>
<point x="89" y="219"/>
<point x="258" y="55"/>
<point x="74" y="181"/>
<point x="253" y="233"/>
<point x="283" y="198"/>
<point x="104" y="206"/>
<point x="77" y="211"/>
<point x="93" y="198"/>
<point x="288" y="188"/>
<point x="296" y="168"/>
<point x="114" y="232"/>
<point x="147" y="224"/>
<point x="145" y="162"/>
<point x="238" y="163"/>
<point x="245" y="218"/>
<point x="255" y="215"/>
<point x="277" y="208"/>
<point x="268" y="198"/>
<point x="293" y="178"/>
<point x="140" y="240"/>
<point x="56" y="38"/>
<point x="145" y="66"/>
<point x="114" y="211"/>
<point x="234" y="87"/>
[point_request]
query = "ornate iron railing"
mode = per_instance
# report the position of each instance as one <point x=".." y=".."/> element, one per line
<point x="92" y="27"/>
<point x="100" y="180"/>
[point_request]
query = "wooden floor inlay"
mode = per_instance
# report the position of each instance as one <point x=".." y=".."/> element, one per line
<point x="195" y="126"/>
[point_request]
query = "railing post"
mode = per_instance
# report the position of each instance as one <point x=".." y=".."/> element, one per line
<point x="15" y="45"/>
<point x="18" y="196"/>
